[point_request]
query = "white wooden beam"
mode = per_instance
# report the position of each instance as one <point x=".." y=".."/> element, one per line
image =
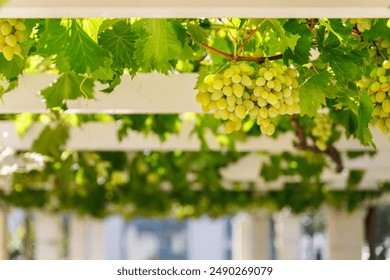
<point x="95" y="136"/>
<point x="146" y="93"/>
<point x="199" y="8"/>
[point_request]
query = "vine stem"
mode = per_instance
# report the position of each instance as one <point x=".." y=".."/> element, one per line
<point x="238" y="58"/>
<point x="250" y="35"/>
<point x="331" y="151"/>
<point x="381" y="89"/>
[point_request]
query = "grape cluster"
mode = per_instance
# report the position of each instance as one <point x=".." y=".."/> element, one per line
<point x="11" y="34"/>
<point x="362" y="24"/>
<point x="378" y="86"/>
<point x="322" y="131"/>
<point x="260" y="92"/>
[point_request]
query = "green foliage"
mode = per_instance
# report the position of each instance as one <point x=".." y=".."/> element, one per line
<point x="312" y="93"/>
<point x="67" y="86"/>
<point x="159" y="46"/>
<point x="120" y="41"/>
<point x="51" y="141"/>
<point x="330" y="55"/>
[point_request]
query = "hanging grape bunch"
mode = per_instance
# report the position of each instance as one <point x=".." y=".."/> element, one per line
<point x="12" y="33"/>
<point x="378" y="85"/>
<point x="322" y="131"/>
<point x="260" y="92"/>
<point x="362" y="24"/>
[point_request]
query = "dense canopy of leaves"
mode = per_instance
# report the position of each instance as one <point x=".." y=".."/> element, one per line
<point x="332" y="57"/>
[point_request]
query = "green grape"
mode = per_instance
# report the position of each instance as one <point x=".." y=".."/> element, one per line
<point x="8" y="53"/>
<point x="221" y="104"/>
<point x="244" y="67"/>
<point x="268" y="75"/>
<point x="5" y="29"/>
<point x="386" y="106"/>
<point x="240" y="111"/>
<point x="216" y="95"/>
<point x="380" y="96"/>
<point x="218" y="84"/>
<point x="228" y="73"/>
<point x="263" y="112"/>
<point x="272" y="99"/>
<point x="11" y="40"/>
<point x="227" y="90"/>
<point x="236" y="78"/>
<point x="260" y="81"/>
<point x="248" y="104"/>
<point x="246" y="81"/>
<point x="238" y="90"/>
<point x="270" y="129"/>
<point x="386" y="64"/>
<point x="12" y="21"/>
<point x="19" y="26"/>
<point x="229" y="126"/>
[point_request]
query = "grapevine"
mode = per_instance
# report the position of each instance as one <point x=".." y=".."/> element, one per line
<point x="12" y="34"/>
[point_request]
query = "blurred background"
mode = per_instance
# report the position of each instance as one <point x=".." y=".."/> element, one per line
<point x="324" y="234"/>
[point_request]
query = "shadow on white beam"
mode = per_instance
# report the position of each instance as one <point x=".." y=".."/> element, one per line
<point x="190" y="8"/>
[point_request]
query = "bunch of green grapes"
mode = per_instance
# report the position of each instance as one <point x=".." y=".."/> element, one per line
<point x="322" y="131"/>
<point x="379" y="91"/>
<point x="378" y="86"/>
<point x="362" y="24"/>
<point x="260" y="92"/>
<point x="11" y="34"/>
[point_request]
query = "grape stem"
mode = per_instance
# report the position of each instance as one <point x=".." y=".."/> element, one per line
<point x="258" y="60"/>
<point x="331" y="151"/>
<point x="250" y="35"/>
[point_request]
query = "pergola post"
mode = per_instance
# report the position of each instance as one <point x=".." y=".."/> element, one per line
<point x="251" y="238"/>
<point x="3" y="233"/>
<point x="288" y="234"/>
<point x="86" y="239"/>
<point x="345" y="233"/>
<point x="48" y="236"/>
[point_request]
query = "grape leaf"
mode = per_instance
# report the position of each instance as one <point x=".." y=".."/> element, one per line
<point x="302" y="49"/>
<point x="312" y="93"/>
<point x="358" y="102"/>
<point x="158" y="45"/>
<point x="364" y="117"/>
<point x="77" y="51"/>
<point x="346" y="65"/>
<point x="337" y="30"/>
<point x="11" y="69"/>
<point x="68" y="86"/>
<point x="120" y="41"/>
<point x="286" y="39"/>
<point x="51" y="140"/>
<point x="198" y="33"/>
<point x="84" y="55"/>
<point x="54" y="39"/>
<point x="379" y="29"/>
<point x="92" y="26"/>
